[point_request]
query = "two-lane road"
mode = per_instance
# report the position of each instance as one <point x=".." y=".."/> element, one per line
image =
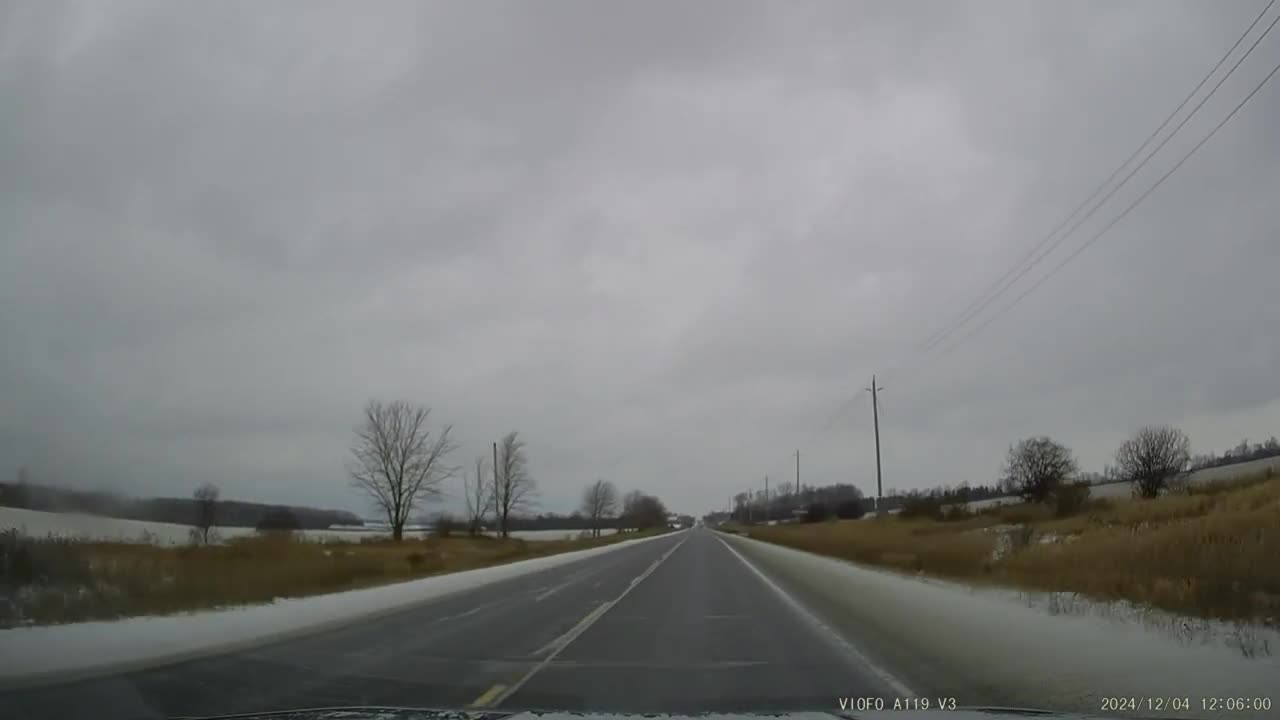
<point x="676" y="624"/>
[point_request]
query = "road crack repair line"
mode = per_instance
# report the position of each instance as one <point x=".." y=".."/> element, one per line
<point x="496" y="695"/>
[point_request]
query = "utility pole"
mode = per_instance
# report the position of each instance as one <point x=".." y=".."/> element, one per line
<point x="748" y="506"/>
<point x="766" y="499"/>
<point x="875" y="415"/>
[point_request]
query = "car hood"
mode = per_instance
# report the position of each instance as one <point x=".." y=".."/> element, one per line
<point x="390" y="713"/>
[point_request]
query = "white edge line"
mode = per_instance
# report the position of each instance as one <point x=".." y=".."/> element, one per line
<point x="577" y="630"/>
<point x="883" y="675"/>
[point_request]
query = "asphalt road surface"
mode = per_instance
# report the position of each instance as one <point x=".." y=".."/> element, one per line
<point x="676" y="624"/>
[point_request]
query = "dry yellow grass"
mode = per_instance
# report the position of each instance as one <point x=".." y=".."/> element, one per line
<point x="1211" y="553"/>
<point x="93" y="580"/>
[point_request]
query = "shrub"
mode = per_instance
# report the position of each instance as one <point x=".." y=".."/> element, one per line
<point x="1023" y="513"/>
<point x="17" y="566"/>
<point x="1036" y="467"/>
<point x="1179" y="485"/>
<point x="1070" y="499"/>
<point x="445" y="525"/>
<point x="1151" y="457"/>
<point x="957" y="511"/>
<point x="40" y="574"/>
<point x="196" y="536"/>
<point x="816" y="512"/>
<point x="26" y="560"/>
<point x="850" y="509"/>
<point x="919" y="505"/>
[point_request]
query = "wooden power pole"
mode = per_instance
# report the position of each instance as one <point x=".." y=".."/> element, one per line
<point x="875" y="418"/>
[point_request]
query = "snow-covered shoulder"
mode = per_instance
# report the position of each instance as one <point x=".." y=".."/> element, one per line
<point x="1054" y="650"/>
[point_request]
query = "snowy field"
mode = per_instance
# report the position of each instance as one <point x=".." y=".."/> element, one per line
<point x="95" y="527"/>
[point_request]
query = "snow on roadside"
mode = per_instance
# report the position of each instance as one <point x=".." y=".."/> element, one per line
<point x="1054" y="651"/>
<point x="28" y="653"/>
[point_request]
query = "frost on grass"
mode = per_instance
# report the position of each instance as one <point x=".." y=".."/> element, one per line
<point x="1249" y="639"/>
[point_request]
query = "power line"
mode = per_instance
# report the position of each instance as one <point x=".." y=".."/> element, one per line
<point x="1012" y="275"/>
<point x="841" y="410"/>
<point x="1019" y="274"/>
<point x="985" y="299"/>
<point x="1055" y="269"/>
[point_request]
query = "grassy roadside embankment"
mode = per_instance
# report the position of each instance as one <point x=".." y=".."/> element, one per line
<point x="53" y="580"/>
<point x="1208" y="551"/>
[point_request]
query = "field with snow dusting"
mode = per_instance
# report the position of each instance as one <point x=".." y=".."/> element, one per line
<point x="96" y="527"/>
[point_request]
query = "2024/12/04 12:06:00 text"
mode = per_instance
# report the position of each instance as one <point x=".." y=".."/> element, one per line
<point x="1185" y="703"/>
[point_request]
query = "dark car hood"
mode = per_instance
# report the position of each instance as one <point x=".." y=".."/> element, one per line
<point x="390" y="713"/>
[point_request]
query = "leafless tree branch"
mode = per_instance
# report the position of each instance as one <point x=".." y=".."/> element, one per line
<point x="1151" y="457"/>
<point x="513" y="486"/>
<point x="397" y="460"/>
<point x="478" y="490"/>
<point x="599" y="501"/>
<point x="206" y="501"/>
<point x="1036" y="467"/>
<point x="642" y="511"/>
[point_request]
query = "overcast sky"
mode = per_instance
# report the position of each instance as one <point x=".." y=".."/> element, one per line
<point x="668" y="242"/>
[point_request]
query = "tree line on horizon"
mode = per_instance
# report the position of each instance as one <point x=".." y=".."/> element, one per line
<point x="29" y="495"/>
<point x="1035" y="469"/>
<point x="400" y="463"/>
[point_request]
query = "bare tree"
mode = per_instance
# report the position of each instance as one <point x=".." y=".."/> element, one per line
<point x="642" y="511"/>
<point x="599" y="501"/>
<point x="397" y="460"/>
<point x="478" y="490"/>
<point x="1151" y="457"/>
<point x="631" y="505"/>
<point x="513" y="486"/>
<point x="206" y="501"/>
<point x="1036" y="467"/>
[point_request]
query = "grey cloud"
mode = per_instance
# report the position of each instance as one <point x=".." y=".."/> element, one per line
<point x="666" y="241"/>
